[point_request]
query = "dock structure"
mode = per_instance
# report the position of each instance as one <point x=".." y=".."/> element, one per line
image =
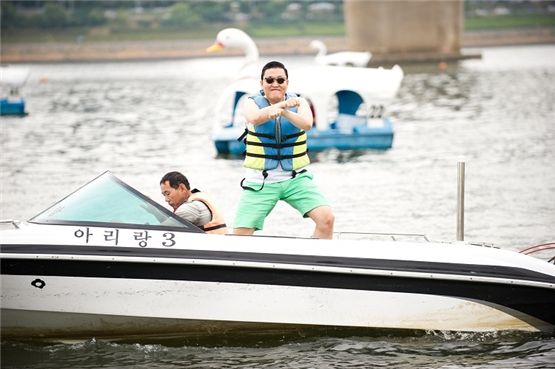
<point x="406" y="31"/>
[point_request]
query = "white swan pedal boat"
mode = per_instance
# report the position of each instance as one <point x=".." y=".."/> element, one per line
<point x="342" y="58"/>
<point x="107" y="261"/>
<point x="349" y="104"/>
<point x="349" y="113"/>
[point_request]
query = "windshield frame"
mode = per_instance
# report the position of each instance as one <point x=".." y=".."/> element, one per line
<point x="188" y="226"/>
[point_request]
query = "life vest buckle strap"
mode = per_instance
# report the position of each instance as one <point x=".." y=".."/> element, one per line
<point x="298" y="143"/>
<point x="257" y="134"/>
<point x="293" y="135"/>
<point x="243" y="135"/>
<point x="299" y="172"/>
<point x="274" y="145"/>
<point x="275" y="157"/>
<point x="263" y="144"/>
<point x="264" y="174"/>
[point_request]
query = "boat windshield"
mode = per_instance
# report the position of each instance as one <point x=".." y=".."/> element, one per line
<point x="106" y="200"/>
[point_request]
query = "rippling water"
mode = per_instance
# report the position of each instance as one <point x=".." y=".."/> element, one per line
<point x="142" y="119"/>
<point x="403" y="352"/>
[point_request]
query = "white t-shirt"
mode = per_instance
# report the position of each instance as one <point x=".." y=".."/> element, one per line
<point x="274" y="175"/>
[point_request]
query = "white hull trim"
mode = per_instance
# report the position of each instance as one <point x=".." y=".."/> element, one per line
<point x="185" y="302"/>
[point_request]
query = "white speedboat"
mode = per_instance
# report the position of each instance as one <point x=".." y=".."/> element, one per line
<point x="107" y="261"/>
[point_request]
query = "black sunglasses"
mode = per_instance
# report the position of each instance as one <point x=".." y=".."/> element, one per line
<point x="270" y="80"/>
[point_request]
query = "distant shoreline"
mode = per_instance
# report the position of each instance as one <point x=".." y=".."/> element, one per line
<point x="182" y="49"/>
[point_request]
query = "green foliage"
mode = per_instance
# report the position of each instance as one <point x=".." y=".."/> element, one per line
<point x="212" y="11"/>
<point x="509" y="21"/>
<point x="9" y="17"/>
<point x="88" y="17"/>
<point x="297" y="29"/>
<point x="181" y="15"/>
<point x="54" y="16"/>
<point x="271" y="11"/>
<point x="151" y="19"/>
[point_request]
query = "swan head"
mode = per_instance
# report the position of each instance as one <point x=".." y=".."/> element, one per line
<point x="318" y="45"/>
<point x="233" y="38"/>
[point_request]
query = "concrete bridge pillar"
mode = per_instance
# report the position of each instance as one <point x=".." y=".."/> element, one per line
<point x="404" y="30"/>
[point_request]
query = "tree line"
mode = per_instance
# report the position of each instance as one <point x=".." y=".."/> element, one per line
<point x="183" y="14"/>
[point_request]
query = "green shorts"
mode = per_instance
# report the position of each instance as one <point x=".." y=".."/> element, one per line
<point x="299" y="192"/>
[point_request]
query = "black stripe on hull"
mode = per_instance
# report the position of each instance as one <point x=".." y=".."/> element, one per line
<point x="471" y="270"/>
<point x="534" y="301"/>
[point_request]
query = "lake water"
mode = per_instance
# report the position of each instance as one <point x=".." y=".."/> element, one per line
<point x="142" y="119"/>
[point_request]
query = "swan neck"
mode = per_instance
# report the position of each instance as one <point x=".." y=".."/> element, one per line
<point x="251" y="52"/>
<point x="322" y="50"/>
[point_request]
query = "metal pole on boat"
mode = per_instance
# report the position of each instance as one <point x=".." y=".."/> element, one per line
<point x="460" y="201"/>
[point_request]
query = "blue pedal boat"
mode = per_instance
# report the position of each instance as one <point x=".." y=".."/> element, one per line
<point x="12" y="106"/>
<point x="12" y="78"/>
<point x="349" y="111"/>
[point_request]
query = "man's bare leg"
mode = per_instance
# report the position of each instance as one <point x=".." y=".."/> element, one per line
<point x="243" y="231"/>
<point x="324" y="219"/>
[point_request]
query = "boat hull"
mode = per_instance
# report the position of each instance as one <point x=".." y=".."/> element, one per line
<point x="359" y="138"/>
<point x="77" y="307"/>
<point x="12" y="107"/>
<point x="94" y="296"/>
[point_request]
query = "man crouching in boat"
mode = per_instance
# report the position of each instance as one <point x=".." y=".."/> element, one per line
<point x="276" y="157"/>
<point x="191" y="205"/>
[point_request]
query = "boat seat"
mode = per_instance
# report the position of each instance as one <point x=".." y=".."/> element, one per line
<point x="348" y="102"/>
<point x="346" y="123"/>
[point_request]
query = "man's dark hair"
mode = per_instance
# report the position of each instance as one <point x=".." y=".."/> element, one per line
<point x="273" y="64"/>
<point x="175" y="178"/>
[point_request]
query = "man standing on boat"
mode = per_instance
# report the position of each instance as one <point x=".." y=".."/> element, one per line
<point x="192" y="205"/>
<point x="276" y="157"/>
